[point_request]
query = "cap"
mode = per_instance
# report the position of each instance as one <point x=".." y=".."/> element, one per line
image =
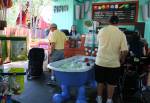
<point x="53" y="25"/>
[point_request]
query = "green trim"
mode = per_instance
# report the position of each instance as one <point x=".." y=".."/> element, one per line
<point x="80" y="1"/>
<point x="4" y="50"/>
<point x="12" y="38"/>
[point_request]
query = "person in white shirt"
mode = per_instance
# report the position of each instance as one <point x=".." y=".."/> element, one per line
<point x="112" y="49"/>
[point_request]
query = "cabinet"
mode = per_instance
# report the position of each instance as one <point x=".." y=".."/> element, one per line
<point x="13" y="49"/>
<point x="79" y="50"/>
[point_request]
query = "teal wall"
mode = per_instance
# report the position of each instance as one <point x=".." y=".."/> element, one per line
<point x="83" y="30"/>
<point x="147" y="22"/>
<point x="64" y="20"/>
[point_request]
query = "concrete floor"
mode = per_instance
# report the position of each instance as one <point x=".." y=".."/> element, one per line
<point x="37" y="91"/>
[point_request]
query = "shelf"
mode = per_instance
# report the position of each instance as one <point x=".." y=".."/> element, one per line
<point x="12" y="38"/>
<point x="13" y="48"/>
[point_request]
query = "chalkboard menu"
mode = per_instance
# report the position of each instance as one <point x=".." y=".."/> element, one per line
<point x="126" y="11"/>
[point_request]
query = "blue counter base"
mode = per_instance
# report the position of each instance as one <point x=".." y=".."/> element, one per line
<point x="59" y="98"/>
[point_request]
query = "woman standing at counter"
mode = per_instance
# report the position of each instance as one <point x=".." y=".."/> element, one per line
<point x="73" y="33"/>
<point x="74" y="37"/>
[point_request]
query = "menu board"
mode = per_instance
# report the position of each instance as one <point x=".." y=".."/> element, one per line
<point x="126" y="11"/>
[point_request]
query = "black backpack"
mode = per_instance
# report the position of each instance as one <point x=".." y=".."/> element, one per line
<point x="35" y="63"/>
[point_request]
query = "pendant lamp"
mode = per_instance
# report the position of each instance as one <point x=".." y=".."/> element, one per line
<point x="145" y="12"/>
<point x="77" y="12"/>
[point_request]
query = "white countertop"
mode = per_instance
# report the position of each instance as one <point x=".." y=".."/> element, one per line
<point x="18" y="64"/>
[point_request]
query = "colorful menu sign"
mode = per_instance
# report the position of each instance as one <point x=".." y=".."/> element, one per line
<point x="126" y="11"/>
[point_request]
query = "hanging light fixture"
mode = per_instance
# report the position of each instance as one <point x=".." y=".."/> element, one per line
<point x="80" y="1"/>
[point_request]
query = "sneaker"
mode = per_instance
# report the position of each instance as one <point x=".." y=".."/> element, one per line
<point x="52" y="82"/>
<point x="109" y="101"/>
<point x="99" y="99"/>
<point x="52" y="78"/>
<point x="144" y="88"/>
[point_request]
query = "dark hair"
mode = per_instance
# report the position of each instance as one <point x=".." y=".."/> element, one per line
<point x="72" y="31"/>
<point x="114" y="19"/>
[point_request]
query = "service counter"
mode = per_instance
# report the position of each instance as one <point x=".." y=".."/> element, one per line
<point x="73" y="48"/>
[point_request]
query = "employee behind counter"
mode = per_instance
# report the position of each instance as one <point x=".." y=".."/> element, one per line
<point x="74" y="37"/>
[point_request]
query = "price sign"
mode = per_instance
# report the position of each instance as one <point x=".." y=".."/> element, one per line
<point x="126" y="11"/>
